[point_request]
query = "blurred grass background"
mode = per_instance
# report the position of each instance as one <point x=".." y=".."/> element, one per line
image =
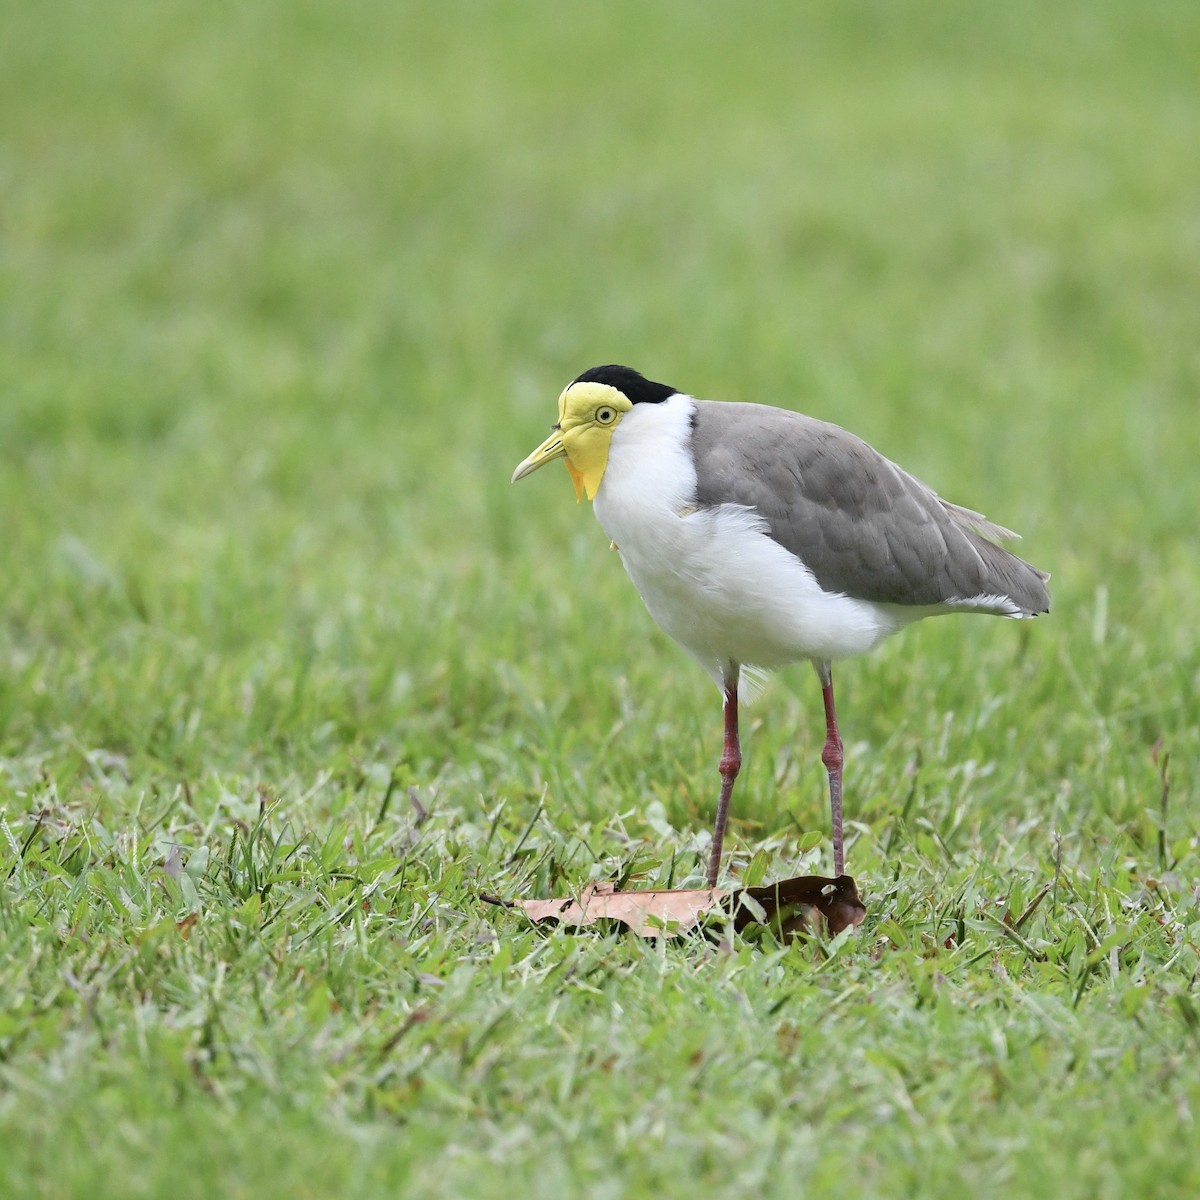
<point x="286" y="290"/>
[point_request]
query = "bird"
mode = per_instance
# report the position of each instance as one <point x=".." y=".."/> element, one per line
<point x="758" y="537"/>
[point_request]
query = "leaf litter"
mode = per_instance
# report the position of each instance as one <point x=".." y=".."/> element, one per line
<point x="669" y="912"/>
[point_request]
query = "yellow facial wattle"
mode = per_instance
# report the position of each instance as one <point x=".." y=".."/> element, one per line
<point x="587" y="415"/>
<point x="578" y="480"/>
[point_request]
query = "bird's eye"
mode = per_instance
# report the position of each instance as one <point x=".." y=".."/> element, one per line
<point x="606" y="416"/>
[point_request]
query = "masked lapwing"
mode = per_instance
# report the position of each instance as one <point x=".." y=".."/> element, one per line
<point x="759" y="537"/>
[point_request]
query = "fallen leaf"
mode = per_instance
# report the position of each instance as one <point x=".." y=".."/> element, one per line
<point x="668" y="912"/>
<point x="647" y="913"/>
<point x="835" y="899"/>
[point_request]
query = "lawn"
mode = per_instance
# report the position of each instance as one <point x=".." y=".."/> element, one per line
<point x="289" y="672"/>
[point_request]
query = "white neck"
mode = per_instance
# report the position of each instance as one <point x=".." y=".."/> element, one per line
<point x="650" y="468"/>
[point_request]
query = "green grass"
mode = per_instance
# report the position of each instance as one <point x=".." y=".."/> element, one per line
<point x="289" y="672"/>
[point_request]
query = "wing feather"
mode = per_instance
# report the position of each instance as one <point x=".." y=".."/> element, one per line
<point x="861" y="524"/>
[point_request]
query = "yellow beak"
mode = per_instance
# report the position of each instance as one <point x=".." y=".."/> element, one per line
<point x="548" y="451"/>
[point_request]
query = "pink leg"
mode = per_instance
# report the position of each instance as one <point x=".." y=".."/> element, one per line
<point x="831" y="756"/>
<point x="731" y="763"/>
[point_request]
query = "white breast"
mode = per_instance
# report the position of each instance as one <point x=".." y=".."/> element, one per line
<point x="713" y="579"/>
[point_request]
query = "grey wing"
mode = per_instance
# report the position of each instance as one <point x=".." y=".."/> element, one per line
<point x="863" y="526"/>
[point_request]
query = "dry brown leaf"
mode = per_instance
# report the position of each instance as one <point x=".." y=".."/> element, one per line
<point x="667" y="913"/>
<point x="836" y="900"/>
<point x="647" y="913"/>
